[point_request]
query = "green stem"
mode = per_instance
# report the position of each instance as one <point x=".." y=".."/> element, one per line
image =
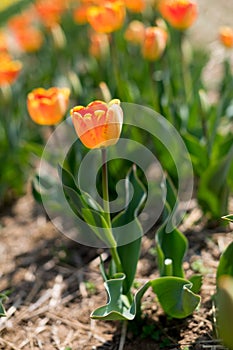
<point x="106" y="206"/>
<point x="154" y="88"/>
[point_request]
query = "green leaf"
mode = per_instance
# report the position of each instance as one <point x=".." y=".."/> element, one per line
<point x="99" y="225"/>
<point x="67" y="178"/>
<point x="228" y="217"/>
<point x="40" y="186"/>
<point x="117" y="307"/>
<point x="3" y="297"/>
<point x="196" y="148"/>
<point x="225" y="266"/>
<point x="225" y="310"/>
<point x="196" y="281"/>
<point x="172" y="245"/>
<point x="213" y="189"/>
<point x="81" y="199"/>
<point x="175" y="296"/>
<point x="129" y="253"/>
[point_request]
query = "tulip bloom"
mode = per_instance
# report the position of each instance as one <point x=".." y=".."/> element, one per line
<point x="226" y="36"/>
<point x="135" y="5"/>
<point x="48" y="107"/>
<point x="9" y="69"/>
<point x="99" y="45"/>
<point x="135" y="32"/>
<point x="50" y="11"/>
<point x="179" y="13"/>
<point x="106" y="18"/>
<point x="29" y="40"/>
<point x="99" y="124"/>
<point x="154" y="43"/>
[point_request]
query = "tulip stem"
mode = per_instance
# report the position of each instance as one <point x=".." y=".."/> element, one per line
<point x="106" y="206"/>
<point x="154" y="87"/>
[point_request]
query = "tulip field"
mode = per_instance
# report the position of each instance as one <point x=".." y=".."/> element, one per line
<point x="116" y="181"/>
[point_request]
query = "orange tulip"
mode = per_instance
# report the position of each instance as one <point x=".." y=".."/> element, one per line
<point x="154" y="43"/>
<point x="9" y="69"/>
<point x="50" y="11"/>
<point x="99" y="124"/>
<point x="80" y="14"/>
<point x="29" y="39"/>
<point x="106" y="18"/>
<point x="179" y="13"/>
<point x="48" y="107"/>
<point x="135" y="5"/>
<point x="99" y="44"/>
<point x="226" y="36"/>
<point x="135" y="32"/>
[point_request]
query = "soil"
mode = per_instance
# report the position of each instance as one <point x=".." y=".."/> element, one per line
<point x="55" y="283"/>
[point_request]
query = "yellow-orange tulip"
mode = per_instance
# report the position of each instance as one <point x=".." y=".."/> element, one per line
<point x="154" y="43"/>
<point x="135" y="5"/>
<point x="9" y="69"/>
<point x="181" y="14"/>
<point x="226" y="36"/>
<point x="48" y="107"/>
<point x="135" y="32"/>
<point x="99" y="124"/>
<point x="106" y="18"/>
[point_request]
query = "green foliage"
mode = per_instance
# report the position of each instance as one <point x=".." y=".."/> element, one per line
<point x="225" y="266"/>
<point x="225" y="309"/>
<point x="3" y="297"/>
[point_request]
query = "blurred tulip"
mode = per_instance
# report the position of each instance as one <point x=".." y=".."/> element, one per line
<point x="135" y="5"/>
<point x="29" y="39"/>
<point x="226" y="36"/>
<point x="135" y="32"/>
<point x="154" y="43"/>
<point x="99" y="44"/>
<point x="9" y="69"/>
<point x="48" y="107"/>
<point x="50" y="11"/>
<point x="106" y="18"/>
<point x="20" y="21"/>
<point x="179" y="13"/>
<point x="99" y="124"/>
<point x="80" y="14"/>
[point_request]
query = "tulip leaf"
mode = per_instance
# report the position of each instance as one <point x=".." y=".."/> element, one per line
<point x="172" y="245"/>
<point x="3" y="297"/>
<point x="225" y="310"/>
<point x="67" y="178"/>
<point x="213" y="187"/>
<point x="99" y="225"/>
<point x="225" y="266"/>
<point x="175" y="296"/>
<point x="79" y="198"/>
<point x="118" y="307"/>
<point x="228" y="217"/>
<point x="129" y="253"/>
<point x="42" y="185"/>
<point x="196" y="281"/>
